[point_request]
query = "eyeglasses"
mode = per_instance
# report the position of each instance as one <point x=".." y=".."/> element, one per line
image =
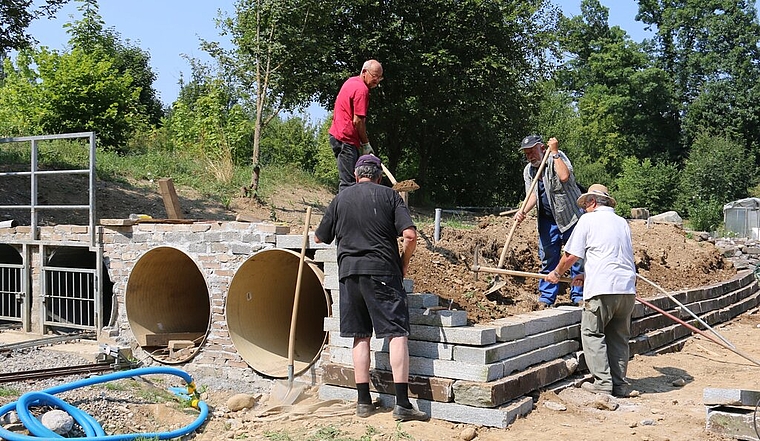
<point x="377" y="77"/>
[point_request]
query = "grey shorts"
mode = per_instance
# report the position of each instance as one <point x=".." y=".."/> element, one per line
<point x="373" y="302"/>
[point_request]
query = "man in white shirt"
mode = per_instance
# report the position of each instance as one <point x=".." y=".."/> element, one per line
<point x="603" y="240"/>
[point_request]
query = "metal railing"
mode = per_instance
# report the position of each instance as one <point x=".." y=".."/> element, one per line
<point x="35" y="173"/>
<point x="70" y="297"/>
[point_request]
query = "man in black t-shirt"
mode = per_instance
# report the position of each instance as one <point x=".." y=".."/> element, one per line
<point x="366" y="219"/>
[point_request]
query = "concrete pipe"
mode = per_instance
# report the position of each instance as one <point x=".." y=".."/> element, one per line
<point x="259" y="308"/>
<point x="167" y="305"/>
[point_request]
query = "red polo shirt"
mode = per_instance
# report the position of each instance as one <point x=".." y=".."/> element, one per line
<point x="353" y="99"/>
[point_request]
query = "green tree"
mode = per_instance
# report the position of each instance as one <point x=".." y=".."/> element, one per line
<point x="626" y="105"/>
<point x="717" y="171"/>
<point x="51" y="92"/>
<point x="207" y="120"/>
<point x="278" y="50"/>
<point x="90" y="35"/>
<point x="15" y="18"/>
<point x="711" y="50"/>
<point x="647" y="185"/>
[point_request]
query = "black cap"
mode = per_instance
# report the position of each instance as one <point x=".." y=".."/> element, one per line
<point x="368" y="160"/>
<point x="531" y="140"/>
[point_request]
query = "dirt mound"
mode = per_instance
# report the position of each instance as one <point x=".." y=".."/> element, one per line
<point x="665" y="254"/>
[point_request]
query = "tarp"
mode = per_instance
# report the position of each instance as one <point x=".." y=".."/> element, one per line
<point x="743" y="203"/>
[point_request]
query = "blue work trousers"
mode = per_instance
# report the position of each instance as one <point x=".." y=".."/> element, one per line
<point x="550" y="241"/>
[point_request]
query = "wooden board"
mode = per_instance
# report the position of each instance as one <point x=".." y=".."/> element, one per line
<point x="117" y="222"/>
<point x="171" y="201"/>
<point x="164" y="338"/>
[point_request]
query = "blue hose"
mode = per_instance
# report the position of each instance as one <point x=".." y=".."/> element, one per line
<point x="90" y="426"/>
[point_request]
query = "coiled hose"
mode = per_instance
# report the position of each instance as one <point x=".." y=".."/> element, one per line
<point x="92" y="429"/>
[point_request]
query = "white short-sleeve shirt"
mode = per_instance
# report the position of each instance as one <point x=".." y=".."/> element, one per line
<point x="603" y="240"/>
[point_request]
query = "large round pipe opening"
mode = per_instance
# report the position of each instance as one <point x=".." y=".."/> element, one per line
<point x="167" y="304"/>
<point x="259" y="308"/>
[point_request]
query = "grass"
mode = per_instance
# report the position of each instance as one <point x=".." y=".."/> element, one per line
<point x="150" y="165"/>
<point x="9" y="392"/>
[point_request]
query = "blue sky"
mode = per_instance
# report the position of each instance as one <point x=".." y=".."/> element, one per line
<point x="169" y="28"/>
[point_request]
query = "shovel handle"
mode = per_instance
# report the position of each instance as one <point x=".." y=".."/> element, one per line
<point x="388" y="173"/>
<point x="522" y="207"/>
<point x="297" y="295"/>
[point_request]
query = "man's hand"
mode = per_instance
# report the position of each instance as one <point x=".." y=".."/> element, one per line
<point x="554" y="146"/>
<point x="552" y="277"/>
<point x="578" y="280"/>
<point x="519" y="216"/>
<point x="367" y="149"/>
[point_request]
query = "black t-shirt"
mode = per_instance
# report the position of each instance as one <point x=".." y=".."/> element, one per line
<point x="366" y="219"/>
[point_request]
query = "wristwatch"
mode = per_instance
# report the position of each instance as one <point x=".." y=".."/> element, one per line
<point x="555" y="156"/>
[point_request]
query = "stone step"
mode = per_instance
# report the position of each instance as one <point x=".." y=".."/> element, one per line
<point x="500" y="417"/>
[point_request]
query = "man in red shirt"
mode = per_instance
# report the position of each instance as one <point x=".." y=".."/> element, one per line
<point x="348" y="133"/>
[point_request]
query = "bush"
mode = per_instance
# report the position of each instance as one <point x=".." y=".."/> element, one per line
<point x="718" y="170"/>
<point x="642" y="184"/>
<point x="706" y="215"/>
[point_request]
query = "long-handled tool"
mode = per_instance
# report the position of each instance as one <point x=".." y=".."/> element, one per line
<point x="286" y="394"/>
<point x="476" y="267"/>
<point x="698" y="331"/>
<point x="682" y="306"/>
<point x="408" y="185"/>
<point x="497" y="282"/>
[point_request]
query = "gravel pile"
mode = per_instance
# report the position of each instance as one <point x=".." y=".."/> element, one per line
<point x="137" y="405"/>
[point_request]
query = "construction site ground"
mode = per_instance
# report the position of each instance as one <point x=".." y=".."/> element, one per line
<point x="665" y="254"/>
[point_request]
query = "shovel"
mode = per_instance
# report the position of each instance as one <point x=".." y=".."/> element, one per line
<point x="497" y="283"/>
<point x="283" y="393"/>
<point x="408" y="185"/>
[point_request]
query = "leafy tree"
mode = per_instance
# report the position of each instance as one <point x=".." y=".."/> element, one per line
<point x="717" y="171"/>
<point x="90" y="35"/>
<point x="15" y="18"/>
<point x="643" y="184"/>
<point x="207" y="120"/>
<point x="711" y="50"/>
<point x="460" y="89"/>
<point x="289" y="141"/>
<point x="626" y="106"/>
<point x="279" y="48"/>
<point x="69" y="92"/>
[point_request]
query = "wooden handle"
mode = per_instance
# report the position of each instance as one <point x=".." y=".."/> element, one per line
<point x="388" y="173"/>
<point x="522" y="207"/>
<point x="519" y="273"/>
<point x="297" y="295"/>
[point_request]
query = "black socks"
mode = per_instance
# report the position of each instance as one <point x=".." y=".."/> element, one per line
<point x="402" y="395"/>
<point x="363" y="392"/>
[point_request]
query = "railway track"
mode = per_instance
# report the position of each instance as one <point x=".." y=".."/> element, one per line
<point x="90" y="368"/>
<point x="44" y="341"/>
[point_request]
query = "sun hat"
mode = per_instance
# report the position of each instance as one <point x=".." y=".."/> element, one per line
<point x="368" y="160"/>
<point x="531" y="140"/>
<point x="597" y="190"/>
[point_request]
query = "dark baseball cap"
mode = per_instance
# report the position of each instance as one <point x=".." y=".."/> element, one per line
<point x="368" y="160"/>
<point x="531" y="140"/>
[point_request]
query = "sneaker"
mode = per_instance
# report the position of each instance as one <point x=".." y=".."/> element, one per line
<point x="365" y="410"/>
<point x="593" y="388"/>
<point x="404" y="414"/>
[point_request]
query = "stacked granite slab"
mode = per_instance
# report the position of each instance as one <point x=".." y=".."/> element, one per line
<point x="485" y="374"/>
<point x="731" y="412"/>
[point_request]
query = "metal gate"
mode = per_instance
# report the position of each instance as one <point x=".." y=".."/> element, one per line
<point x="70" y="287"/>
<point x="11" y="292"/>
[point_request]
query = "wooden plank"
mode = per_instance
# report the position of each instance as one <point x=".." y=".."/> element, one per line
<point x="171" y="201"/>
<point x="164" y="338"/>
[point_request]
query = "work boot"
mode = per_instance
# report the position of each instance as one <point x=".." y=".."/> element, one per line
<point x="625" y="391"/>
<point x="593" y="388"/>
<point x="365" y="410"/>
<point x="404" y="414"/>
